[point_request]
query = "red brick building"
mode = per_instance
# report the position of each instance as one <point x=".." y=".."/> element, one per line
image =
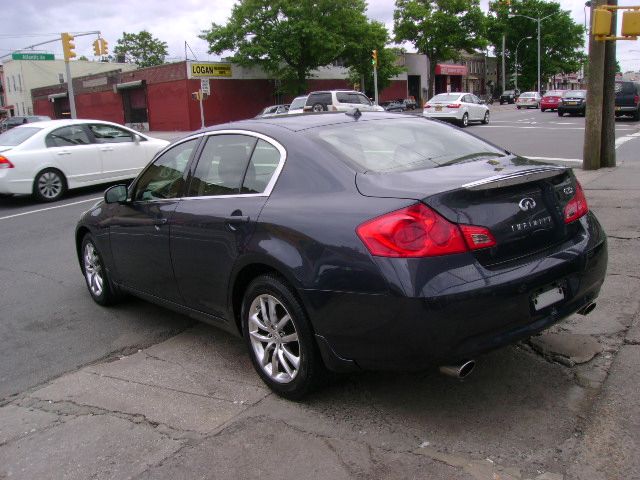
<point x="160" y="98"/>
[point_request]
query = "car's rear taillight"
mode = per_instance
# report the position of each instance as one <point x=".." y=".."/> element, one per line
<point x="426" y="105"/>
<point x="636" y="99"/>
<point x="453" y="105"/>
<point x="418" y="231"/>
<point x="577" y="206"/>
<point x="333" y="108"/>
<point x="5" y="163"/>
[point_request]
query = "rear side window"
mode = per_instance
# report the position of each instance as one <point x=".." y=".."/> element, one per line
<point x="262" y="166"/>
<point x="222" y="165"/>
<point x="110" y="134"/>
<point x="322" y="98"/>
<point x="70" y="136"/>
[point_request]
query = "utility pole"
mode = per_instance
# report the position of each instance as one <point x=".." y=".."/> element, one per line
<point x="68" y="47"/>
<point x="608" y="147"/>
<point x="504" y="71"/>
<point x="595" y="90"/>
<point x="374" y="62"/>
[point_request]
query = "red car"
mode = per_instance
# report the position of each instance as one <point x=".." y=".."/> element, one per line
<point x="551" y="100"/>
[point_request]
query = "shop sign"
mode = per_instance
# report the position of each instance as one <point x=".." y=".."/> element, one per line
<point x="447" y="69"/>
<point x="208" y="70"/>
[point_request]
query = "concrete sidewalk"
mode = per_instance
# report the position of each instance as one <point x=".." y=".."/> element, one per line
<point x="564" y="406"/>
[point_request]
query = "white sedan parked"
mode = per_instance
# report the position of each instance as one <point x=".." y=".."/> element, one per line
<point x="528" y="100"/>
<point x="459" y="107"/>
<point x="47" y="158"/>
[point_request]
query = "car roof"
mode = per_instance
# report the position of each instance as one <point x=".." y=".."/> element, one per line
<point x="298" y="122"/>
<point x="66" y="122"/>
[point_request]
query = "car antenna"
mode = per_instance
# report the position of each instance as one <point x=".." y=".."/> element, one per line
<point x="354" y="112"/>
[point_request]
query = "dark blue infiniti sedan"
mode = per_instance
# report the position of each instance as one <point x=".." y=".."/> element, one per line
<point x="345" y="242"/>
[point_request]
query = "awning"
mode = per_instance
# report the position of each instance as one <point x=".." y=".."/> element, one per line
<point x="126" y="85"/>
<point x="450" y="69"/>
<point x="53" y="96"/>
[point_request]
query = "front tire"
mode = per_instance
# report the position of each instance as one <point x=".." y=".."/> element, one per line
<point x="95" y="274"/>
<point x="542" y="109"/>
<point x="486" y="118"/>
<point x="279" y="338"/>
<point x="49" y="185"/>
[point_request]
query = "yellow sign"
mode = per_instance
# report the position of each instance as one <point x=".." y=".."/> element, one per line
<point x="208" y="70"/>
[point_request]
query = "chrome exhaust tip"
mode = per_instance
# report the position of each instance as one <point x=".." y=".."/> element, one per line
<point x="458" y="371"/>
<point x="586" y="310"/>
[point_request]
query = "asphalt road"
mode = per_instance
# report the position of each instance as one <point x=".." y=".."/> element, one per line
<point x="48" y="323"/>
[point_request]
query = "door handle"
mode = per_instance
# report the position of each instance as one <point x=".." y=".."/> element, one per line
<point x="107" y="149"/>
<point x="64" y="152"/>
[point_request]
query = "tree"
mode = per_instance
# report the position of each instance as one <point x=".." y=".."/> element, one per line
<point x="561" y="40"/>
<point x="82" y="58"/>
<point x="141" y="48"/>
<point x="440" y="29"/>
<point x="289" y="38"/>
<point x="358" y="57"/>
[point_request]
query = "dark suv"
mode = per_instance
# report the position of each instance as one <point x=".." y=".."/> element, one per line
<point x="628" y="99"/>
<point x="509" y="96"/>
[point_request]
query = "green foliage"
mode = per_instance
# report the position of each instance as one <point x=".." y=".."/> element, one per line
<point x="373" y="37"/>
<point x="290" y="38"/>
<point x="82" y="58"/>
<point x="441" y="29"/>
<point x="141" y="48"/>
<point x="561" y="40"/>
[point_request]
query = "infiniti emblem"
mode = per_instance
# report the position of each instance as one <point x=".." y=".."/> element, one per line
<point x="527" y="204"/>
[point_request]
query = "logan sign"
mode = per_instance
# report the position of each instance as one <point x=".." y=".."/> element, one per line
<point x="208" y="70"/>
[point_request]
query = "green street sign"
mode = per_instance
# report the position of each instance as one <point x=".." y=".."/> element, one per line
<point x="33" y="56"/>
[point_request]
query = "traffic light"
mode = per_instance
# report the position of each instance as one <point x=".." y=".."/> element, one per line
<point x="601" y="24"/>
<point x="68" y="47"/>
<point x="374" y="58"/>
<point x="97" y="48"/>
<point x="104" y="46"/>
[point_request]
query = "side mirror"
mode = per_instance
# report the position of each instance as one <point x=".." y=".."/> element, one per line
<point x="116" y="194"/>
<point x="137" y="138"/>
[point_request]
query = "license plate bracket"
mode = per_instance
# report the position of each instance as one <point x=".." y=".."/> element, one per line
<point x="438" y="108"/>
<point x="547" y="297"/>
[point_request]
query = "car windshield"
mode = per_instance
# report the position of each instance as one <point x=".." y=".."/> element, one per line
<point x="575" y="93"/>
<point x="508" y="92"/>
<point x="446" y="97"/>
<point x="298" y="103"/>
<point x="402" y="144"/>
<point x="15" y="136"/>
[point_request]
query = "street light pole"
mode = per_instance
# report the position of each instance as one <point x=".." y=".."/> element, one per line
<point x="516" y="68"/>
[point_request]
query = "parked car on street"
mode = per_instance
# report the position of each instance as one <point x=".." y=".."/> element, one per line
<point x="47" y="158"/>
<point x="461" y="108"/>
<point x="393" y="106"/>
<point x="12" y="122"/>
<point x="409" y="103"/>
<point x="349" y="242"/>
<point x="551" y="100"/>
<point x="274" y="110"/>
<point x="628" y="99"/>
<point x="297" y="105"/>
<point x="340" y="101"/>
<point x="509" y="96"/>
<point x="574" y="102"/>
<point x="528" y="100"/>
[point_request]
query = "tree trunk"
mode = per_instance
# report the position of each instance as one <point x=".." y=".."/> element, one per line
<point x="432" y="79"/>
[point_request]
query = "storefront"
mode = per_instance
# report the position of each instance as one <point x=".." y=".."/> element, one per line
<point x="449" y="77"/>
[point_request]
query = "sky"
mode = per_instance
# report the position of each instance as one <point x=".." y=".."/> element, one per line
<point x="27" y="22"/>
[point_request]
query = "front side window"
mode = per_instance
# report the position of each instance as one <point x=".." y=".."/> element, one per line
<point x="363" y="100"/>
<point x="165" y="177"/>
<point x="110" y="134"/>
<point x="222" y="165"/>
<point x="70" y="136"/>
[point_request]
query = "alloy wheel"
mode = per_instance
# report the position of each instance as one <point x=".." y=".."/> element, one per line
<point x="50" y="185"/>
<point x="274" y="338"/>
<point x="93" y="270"/>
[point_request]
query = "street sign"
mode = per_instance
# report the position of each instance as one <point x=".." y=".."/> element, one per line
<point x="204" y="86"/>
<point x="208" y="70"/>
<point x="33" y="56"/>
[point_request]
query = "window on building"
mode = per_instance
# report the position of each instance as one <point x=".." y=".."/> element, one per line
<point x="20" y="83"/>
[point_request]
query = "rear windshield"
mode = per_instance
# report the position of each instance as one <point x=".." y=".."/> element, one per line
<point x="508" y="92"/>
<point x="401" y="144"/>
<point x="446" y="97"/>
<point x="575" y="93"/>
<point x="553" y="93"/>
<point x="15" y="136"/>
<point x="625" y="88"/>
<point x="527" y="95"/>
<point x="297" y="103"/>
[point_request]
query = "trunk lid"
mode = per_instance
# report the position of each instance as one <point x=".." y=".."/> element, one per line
<point x="520" y="201"/>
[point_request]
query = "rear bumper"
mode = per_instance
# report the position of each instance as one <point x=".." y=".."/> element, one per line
<point x="549" y="105"/>
<point x="11" y="184"/>
<point x="444" y="115"/>
<point x="457" y="312"/>
<point x="572" y="108"/>
<point x="626" y="110"/>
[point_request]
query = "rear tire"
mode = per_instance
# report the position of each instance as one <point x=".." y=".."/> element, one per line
<point x="49" y="185"/>
<point x="518" y="108"/>
<point x="280" y="339"/>
<point x="636" y="115"/>
<point x="465" y="120"/>
<point x="560" y="113"/>
<point x="542" y="109"/>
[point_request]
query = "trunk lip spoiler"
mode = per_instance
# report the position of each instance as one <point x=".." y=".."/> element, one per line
<point x="515" y="178"/>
